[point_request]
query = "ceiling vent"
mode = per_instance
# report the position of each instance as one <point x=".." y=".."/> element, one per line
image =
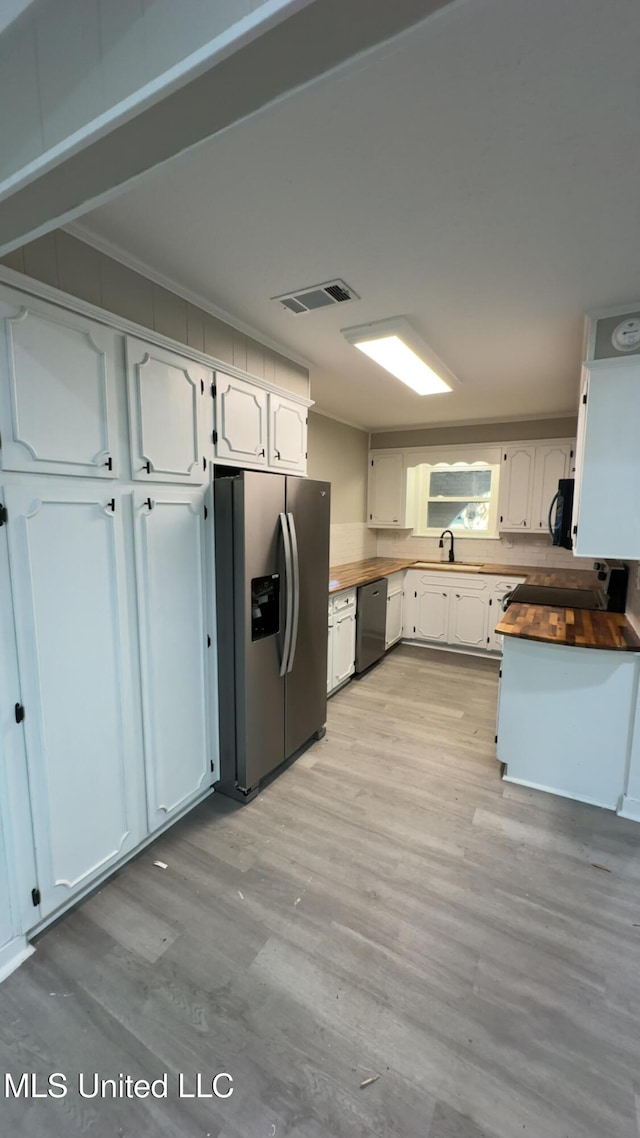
<point x="317" y="296"/>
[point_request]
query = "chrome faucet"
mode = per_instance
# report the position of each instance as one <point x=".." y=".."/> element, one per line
<point x="441" y="543"/>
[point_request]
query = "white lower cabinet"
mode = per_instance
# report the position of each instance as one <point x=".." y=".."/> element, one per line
<point x="7" y="924"/>
<point x="457" y="609"/>
<point x="468" y="612"/>
<point x="84" y="760"/>
<point x="395" y="597"/>
<point x="431" y="614"/>
<point x="170" y="548"/>
<point x="341" y="663"/>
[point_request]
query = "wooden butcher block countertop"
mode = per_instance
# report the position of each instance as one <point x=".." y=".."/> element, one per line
<point x="577" y="628"/>
<point x="356" y="573"/>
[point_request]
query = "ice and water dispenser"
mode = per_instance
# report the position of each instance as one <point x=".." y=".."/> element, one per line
<point x="265" y="606"/>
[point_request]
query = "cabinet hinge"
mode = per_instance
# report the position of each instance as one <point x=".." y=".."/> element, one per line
<point x="212" y="766"/>
<point x="575" y="529"/>
<point x="501" y="518"/>
<point x="214" y="390"/>
<point x="488" y="639"/>
<point x="206" y="513"/>
<point x="370" y="517"/>
<point x="215" y="437"/>
<point x="112" y="505"/>
<point x="415" y="595"/>
<point x="495" y="738"/>
<point x="500" y="674"/>
<point x="204" y="463"/>
<point x="208" y="641"/>
<point x="202" y="386"/>
<point x="4" y="514"/>
<point x="372" y="462"/>
<point x="35" y="897"/>
<point x="584" y="397"/>
<point x="570" y="454"/>
<point x="505" y="458"/>
<point x="19" y="712"/>
<point x="306" y="454"/>
<point x="109" y="463"/>
<point x="490" y="600"/>
<point x="414" y="628"/>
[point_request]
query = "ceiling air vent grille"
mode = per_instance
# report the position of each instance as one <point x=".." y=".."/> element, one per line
<point x="317" y="296"/>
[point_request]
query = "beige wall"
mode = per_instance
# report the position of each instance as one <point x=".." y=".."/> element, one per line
<point x="476" y="433"/>
<point x="66" y="263"/>
<point x="338" y="454"/>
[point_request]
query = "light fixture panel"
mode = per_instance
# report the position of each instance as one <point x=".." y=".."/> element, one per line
<point x="394" y="345"/>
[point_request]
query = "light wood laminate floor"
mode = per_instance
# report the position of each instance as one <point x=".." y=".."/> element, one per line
<point x="388" y="906"/>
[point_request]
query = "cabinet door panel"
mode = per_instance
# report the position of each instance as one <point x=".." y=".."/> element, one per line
<point x="387" y="493"/>
<point x="344" y="647"/>
<point x="287" y="434"/>
<point x="57" y="395"/>
<point x="166" y="393"/>
<point x="241" y="421"/>
<point x="552" y="463"/>
<point x="468" y="619"/>
<point x="330" y="657"/>
<point x="393" y="630"/>
<point x="431" y="614"/>
<point x="72" y="625"/>
<point x="170" y="560"/>
<point x="7" y="930"/>
<point x="516" y="488"/>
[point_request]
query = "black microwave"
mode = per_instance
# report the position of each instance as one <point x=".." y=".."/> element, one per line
<point x="560" y="526"/>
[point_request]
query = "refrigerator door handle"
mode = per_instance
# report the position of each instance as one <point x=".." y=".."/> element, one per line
<point x="296" y="591"/>
<point x="288" y="579"/>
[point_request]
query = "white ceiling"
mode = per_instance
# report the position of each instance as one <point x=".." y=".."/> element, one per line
<point x="479" y="175"/>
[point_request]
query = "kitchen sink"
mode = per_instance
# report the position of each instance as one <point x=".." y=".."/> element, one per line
<point x="450" y="566"/>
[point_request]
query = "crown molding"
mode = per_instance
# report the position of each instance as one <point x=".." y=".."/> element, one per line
<point x="110" y="249"/>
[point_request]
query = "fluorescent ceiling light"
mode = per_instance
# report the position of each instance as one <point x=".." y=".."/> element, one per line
<point x="396" y="347"/>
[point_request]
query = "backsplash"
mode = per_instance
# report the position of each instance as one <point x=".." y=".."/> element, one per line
<point x="510" y="549"/>
<point x="351" y="541"/>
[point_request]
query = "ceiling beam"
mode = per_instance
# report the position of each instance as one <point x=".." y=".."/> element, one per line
<point x="314" y="40"/>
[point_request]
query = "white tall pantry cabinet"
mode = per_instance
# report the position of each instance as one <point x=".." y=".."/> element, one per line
<point x="108" y="692"/>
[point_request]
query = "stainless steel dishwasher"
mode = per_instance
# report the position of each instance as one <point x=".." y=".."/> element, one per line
<point x="370" y="624"/>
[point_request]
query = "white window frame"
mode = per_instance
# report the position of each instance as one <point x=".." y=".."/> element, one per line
<point x="422" y="476"/>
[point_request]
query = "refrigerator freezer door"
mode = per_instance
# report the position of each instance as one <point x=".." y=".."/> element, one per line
<point x="308" y="504"/>
<point x="258" y="500"/>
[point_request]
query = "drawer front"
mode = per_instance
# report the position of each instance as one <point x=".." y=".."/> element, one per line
<point x="344" y="601"/>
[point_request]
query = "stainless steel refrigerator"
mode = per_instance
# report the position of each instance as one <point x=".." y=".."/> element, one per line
<point x="272" y="581"/>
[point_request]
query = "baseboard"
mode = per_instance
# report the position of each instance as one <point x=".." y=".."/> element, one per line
<point x="481" y="653"/>
<point x="629" y="808"/>
<point x="13" y="955"/>
<point x="560" y="793"/>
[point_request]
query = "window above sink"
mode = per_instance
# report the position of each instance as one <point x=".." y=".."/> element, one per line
<point x="460" y="496"/>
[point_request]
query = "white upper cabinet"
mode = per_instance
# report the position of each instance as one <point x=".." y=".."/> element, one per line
<point x="166" y="393"/>
<point x="516" y="487"/>
<point x="606" y="516"/>
<point x="287" y="434"/>
<point x="529" y="478"/>
<point x="170" y="542"/>
<point x="73" y="629"/>
<point x="553" y="462"/>
<point x="241" y="421"/>
<point x="387" y="490"/>
<point x="57" y="391"/>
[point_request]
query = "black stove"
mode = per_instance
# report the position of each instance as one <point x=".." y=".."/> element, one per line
<point x="550" y="595"/>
